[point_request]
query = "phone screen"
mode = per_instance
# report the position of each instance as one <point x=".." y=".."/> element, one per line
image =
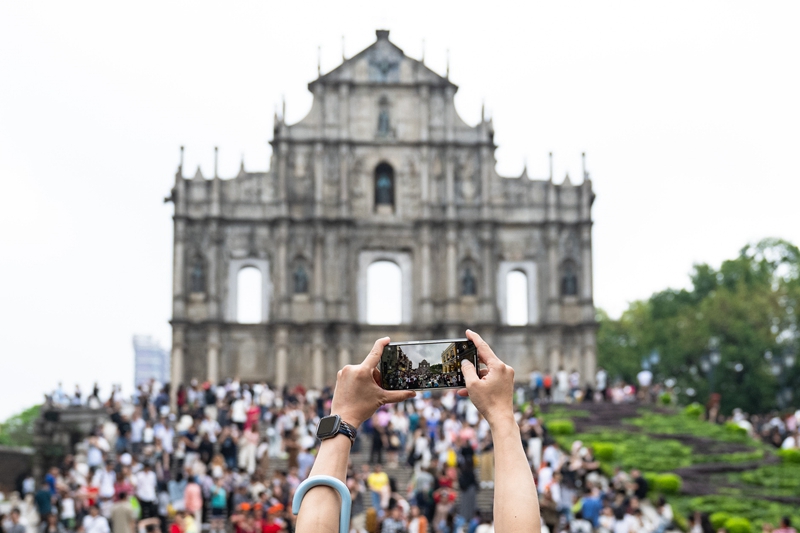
<point x="426" y="364"/>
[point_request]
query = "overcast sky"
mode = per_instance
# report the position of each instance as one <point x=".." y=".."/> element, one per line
<point x="688" y="113"/>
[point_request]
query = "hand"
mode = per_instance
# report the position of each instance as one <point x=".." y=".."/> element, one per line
<point x="492" y="392"/>
<point x="358" y="393"/>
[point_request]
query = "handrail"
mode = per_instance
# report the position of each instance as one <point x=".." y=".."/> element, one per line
<point x="328" y="481"/>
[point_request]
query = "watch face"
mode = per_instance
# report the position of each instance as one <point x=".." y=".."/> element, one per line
<point x="328" y="426"/>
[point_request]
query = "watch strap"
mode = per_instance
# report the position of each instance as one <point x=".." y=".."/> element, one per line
<point x="347" y="429"/>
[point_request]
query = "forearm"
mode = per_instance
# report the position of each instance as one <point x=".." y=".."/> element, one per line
<point x="321" y="506"/>
<point x="516" y="504"/>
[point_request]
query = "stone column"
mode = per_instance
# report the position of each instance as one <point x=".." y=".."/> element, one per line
<point x="345" y="342"/>
<point x="212" y="366"/>
<point x="425" y="274"/>
<point x="589" y="367"/>
<point x="213" y="270"/>
<point x="178" y="269"/>
<point x="452" y="273"/>
<point x="319" y="281"/>
<point x="553" y="307"/>
<point x="318" y="359"/>
<point x="449" y="181"/>
<point x="586" y="272"/>
<point x="282" y="283"/>
<point x="486" y="184"/>
<point x="488" y="290"/>
<point x="176" y="377"/>
<point x="281" y="356"/>
<point x="282" y="197"/>
<point x="344" y="180"/>
<point x="319" y="174"/>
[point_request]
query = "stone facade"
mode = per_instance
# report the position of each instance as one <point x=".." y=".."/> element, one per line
<point x="381" y="169"/>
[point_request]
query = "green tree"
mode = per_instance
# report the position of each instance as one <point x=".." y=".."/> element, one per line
<point x="750" y="306"/>
<point x="18" y="429"/>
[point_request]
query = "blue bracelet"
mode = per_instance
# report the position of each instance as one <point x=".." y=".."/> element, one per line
<point x="334" y="483"/>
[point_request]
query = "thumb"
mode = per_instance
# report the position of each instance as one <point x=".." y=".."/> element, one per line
<point x="470" y="374"/>
<point x="394" y="396"/>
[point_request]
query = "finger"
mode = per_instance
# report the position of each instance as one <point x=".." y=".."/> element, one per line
<point x="464" y="393"/>
<point x="470" y="375"/>
<point x="483" y="372"/>
<point x="374" y="356"/>
<point x="394" y="396"/>
<point x="484" y="351"/>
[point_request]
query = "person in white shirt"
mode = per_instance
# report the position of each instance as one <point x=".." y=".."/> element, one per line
<point x="137" y="430"/>
<point x="94" y="522"/>
<point x="105" y="479"/>
<point x="601" y="382"/>
<point x="146" y="482"/>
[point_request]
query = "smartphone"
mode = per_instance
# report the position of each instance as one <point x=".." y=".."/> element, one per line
<point x="421" y="365"/>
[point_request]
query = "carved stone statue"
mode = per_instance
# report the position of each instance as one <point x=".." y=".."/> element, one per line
<point x="384" y="193"/>
<point x="468" y="283"/>
<point x="569" y="282"/>
<point x="383" y="122"/>
<point x="198" y="277"/>
<point x="300" y="280"/>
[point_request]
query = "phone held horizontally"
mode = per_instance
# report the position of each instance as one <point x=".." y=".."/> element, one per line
<point x="419" y="365"/>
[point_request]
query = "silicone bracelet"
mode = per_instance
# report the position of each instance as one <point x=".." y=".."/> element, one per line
<point x="328" y="481"/>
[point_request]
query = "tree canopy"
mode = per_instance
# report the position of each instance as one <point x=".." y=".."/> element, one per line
<point x="747" y="311"/>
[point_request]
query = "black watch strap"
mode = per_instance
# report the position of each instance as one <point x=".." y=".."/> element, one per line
<point x="347" y="429"/>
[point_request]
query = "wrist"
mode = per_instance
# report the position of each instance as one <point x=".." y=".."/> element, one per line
<point x="347" y="417"/>
<point x="503" y="423"/>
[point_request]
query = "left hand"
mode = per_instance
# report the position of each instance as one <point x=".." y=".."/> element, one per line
<point x="358" y="393"/>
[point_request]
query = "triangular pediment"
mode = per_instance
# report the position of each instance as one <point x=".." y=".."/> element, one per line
<point x="382" y="62"/>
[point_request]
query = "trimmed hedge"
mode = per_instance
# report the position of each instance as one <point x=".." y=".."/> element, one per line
<point x="668" y="483"/>
<point x="561" y="427"/>
<point x="738" y="524"/>
<point x="790" y="456"/>
<point x="735" y="428"/>
<point x="694" y="410"/>
<point x="718" y="519"/>
<point x="604" y="451"/>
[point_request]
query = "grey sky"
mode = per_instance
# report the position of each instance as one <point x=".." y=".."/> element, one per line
<point x="688" y="113"/>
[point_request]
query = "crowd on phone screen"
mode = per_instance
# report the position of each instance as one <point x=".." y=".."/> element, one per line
<point x="209" y="465"/>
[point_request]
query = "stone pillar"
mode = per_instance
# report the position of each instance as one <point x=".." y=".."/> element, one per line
<point x="589" y="356"/>
<point x="344" y="180"/>
<point x="282" y="281"/>
<point x="449" y="181"/>
<point x="488" y="290"/>
<point x="425" y="274"/>
<point x="176" y="377"/>
<point x="178" y="269"/>
<point x="319" y="174"/>
<point x="318" y="359"/>
<point x="345" y="343"/>
<point x="212" y="365"/>
<point x="282" y="198"/>
<point x="213" y="270"/>
<point x="452" y="274"/>
<point x="553" y="307"/>
<point x="281" y="356"/>
<point x="486" y="184"/>
<point x="586" y="273"/>
<point x="319" y="281"/>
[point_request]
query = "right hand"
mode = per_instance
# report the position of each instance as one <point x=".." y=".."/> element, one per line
<point x="492" y="393"/>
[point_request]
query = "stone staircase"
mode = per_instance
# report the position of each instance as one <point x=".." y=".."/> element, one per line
<point x="401" y="474"/>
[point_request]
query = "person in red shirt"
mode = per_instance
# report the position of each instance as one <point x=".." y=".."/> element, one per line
<point x="273" y="524"/>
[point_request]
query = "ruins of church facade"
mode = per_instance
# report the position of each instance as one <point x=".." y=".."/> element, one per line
<point x="382" y="168"/>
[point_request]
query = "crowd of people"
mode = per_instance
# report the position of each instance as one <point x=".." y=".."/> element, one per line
<point x="229" y="456"/>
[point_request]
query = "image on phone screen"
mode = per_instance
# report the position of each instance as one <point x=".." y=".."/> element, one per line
<point x="426" y="364"/>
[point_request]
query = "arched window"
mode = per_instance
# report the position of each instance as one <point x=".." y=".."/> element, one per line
<point x="384" y="185"/>
<point x="569" y="279"/>
<point x="248" y="296"/>
<point x="384" y="293"/>
<point x="516" y="298"/>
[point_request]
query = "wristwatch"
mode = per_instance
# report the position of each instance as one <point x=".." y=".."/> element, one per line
<point x="330" y="426"/>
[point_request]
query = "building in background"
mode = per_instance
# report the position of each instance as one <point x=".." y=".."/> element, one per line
<point x="381" y="170"/>
<point x="151" y="361"/>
